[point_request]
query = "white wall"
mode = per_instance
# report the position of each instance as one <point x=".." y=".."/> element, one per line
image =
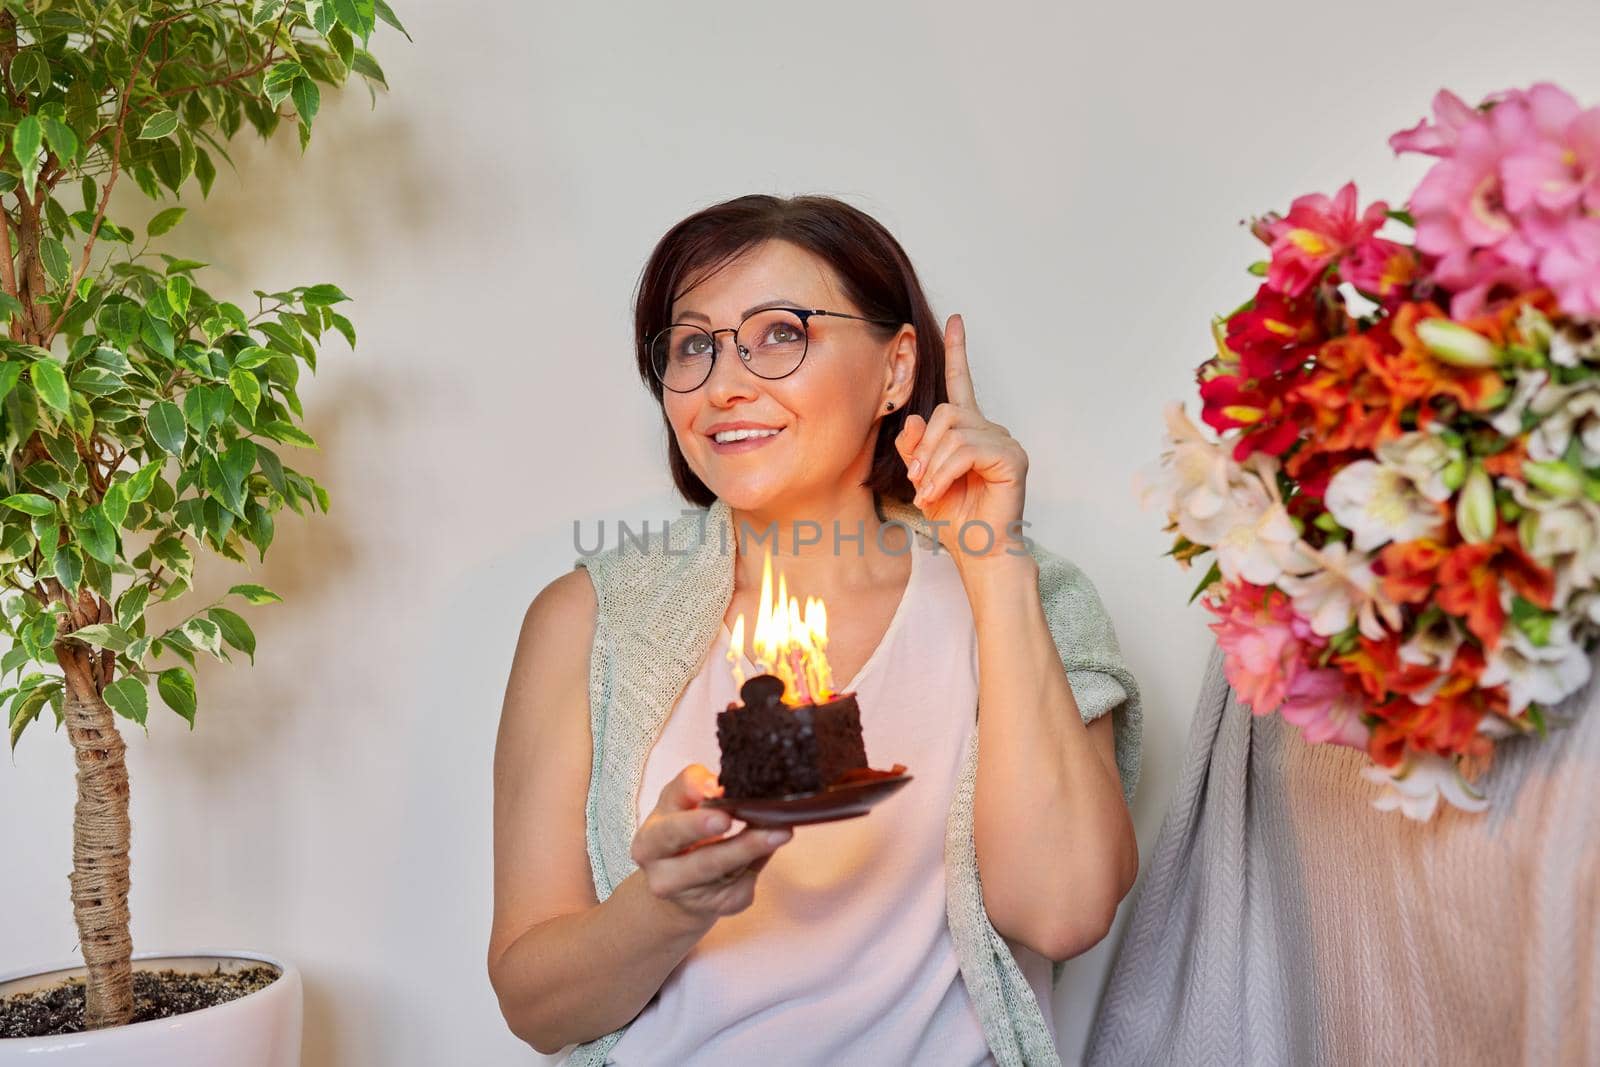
<point x="1069" y="178"/>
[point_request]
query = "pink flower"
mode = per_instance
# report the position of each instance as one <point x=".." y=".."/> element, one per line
<point x="1514" y="201"/>
<point x="1451" y="112"/>
<point x="1572" y="268"/>
<point x="1562" y="168"/>
<point x="1326" y="708"/>
<point x="1264" y="643"/>
<point x="1316" y="231"/>
<point x="1381" y="269"/>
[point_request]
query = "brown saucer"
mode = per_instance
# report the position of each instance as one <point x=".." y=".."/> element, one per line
<point x="852" y="795"/>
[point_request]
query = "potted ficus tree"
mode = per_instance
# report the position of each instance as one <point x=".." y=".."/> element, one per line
<point x="142" y="424"/>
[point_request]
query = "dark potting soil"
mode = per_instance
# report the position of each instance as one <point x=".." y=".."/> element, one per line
<point x="156" y="995"/>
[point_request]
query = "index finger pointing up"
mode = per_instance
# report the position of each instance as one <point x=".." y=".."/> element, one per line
<point x="957" y="376"/>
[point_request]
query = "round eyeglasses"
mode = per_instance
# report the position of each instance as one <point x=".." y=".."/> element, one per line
<point x="682" y="355"/>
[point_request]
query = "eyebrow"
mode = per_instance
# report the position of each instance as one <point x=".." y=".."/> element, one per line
<point x="775" y="302"/>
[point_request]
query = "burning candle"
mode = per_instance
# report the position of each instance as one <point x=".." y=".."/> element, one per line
<point x="788" y="643"/>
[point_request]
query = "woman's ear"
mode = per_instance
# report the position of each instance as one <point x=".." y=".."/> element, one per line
<point x="902" y="366"/>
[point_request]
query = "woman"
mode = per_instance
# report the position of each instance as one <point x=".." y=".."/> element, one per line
<point x="802" y="323"/>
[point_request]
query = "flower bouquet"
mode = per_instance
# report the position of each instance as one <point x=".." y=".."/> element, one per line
<point x="1402" y="499"/>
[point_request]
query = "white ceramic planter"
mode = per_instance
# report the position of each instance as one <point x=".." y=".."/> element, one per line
<point x="260" y="1029"/>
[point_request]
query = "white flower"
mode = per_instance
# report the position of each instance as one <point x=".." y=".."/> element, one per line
<point x="1569" y="410"/>
<point x="1574" y="343"/>
<point x="1434" y="645"/>
<point x="1342" y="588"/>
<point x="1541" y="674"/>
<point x="1563" y="535"/>
<point x="1194" y="481"/>
<point x="1584" y="607"/>
<point x="1417" y="784"/>
<point x="1231" y="507"/>
<point x="1424" y="458"/>
<point x="1508" y="420"/>
<point x="1379" y="503"/>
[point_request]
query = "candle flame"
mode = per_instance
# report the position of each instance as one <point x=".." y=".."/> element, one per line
<point x="789" y="643"/>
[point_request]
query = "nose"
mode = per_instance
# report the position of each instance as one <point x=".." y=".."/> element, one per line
<point x="729" y="378"/>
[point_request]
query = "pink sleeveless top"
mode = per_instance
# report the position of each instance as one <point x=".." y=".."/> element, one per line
<point x="845" y="955"/>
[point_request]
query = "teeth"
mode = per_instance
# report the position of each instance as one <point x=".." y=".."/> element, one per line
<point x="739" y="435"/>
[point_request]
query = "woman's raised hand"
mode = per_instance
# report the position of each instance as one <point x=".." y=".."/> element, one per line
<point x="686" y="860"/>
<point x="965" y="468"/>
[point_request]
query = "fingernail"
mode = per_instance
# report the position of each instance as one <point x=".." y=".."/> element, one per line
<point x="713" y="821"/>
<point x="916" y="465"/>
<point x="778" y="837"/>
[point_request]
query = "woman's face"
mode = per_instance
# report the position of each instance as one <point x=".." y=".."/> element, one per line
<point x="825" y="412"/>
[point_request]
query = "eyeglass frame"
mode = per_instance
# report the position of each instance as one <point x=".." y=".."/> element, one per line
<point x="804" y="315"/>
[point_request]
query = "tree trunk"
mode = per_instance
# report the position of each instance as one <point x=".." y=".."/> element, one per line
<point x="99" y="878"/>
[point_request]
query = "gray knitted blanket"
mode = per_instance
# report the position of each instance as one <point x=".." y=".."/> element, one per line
<point x="1283" y="920"/>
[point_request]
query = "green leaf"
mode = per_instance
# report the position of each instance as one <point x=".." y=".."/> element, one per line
<point x="237" y="463"/>
<point x="235" y="631"/>
<point x="264" y="11"/>
<point x="118" y="498"/>
<point x="157" y="333"/>
<point x="357" y="16"/>
<point x="256" y="594"/>
<point x="321" y="295"/>
<point x="165" y="221"/>
<point x="288" y="433"/>
<point x="98" y="535"/>
<point x="320" y="14"/>
<point x="26" y="140"/>
<point x="51" y="384"/>
<point x="60" y="137"/>
<point x="179" y="289"/>
<point x="176" y="687"/>
<point x="56" y="262"/>
<point x="30" y="503"/>
<point x="204" y="634"/>
<point x="28" y="67"/>
<point x="159" y="125"/>
<point x="166" y="425"/>
<point x="205" y="171"/>
<point x="129" y="698"/>
<point x="280" y="81"/>
<point x="387" y="14"/>
<point x="26" y="708"/>
<point x="1212" y="575"/>
<point x="130" y="605"/>
<point x="246" y="388"/>
<point x="69" y="567"/>
<point x="307" y="98"/>
<point x="103" y="635"/>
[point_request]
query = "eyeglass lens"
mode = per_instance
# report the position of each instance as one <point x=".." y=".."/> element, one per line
<point x="775" y="339"/>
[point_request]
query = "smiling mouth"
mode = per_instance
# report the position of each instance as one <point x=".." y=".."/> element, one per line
<point x="763" y="435"/>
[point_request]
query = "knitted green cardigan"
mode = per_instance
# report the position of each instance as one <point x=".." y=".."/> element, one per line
<point x="662" y="598"/>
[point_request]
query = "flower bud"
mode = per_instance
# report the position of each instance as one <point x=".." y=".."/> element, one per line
<point x="1453" y="343"/>
<point x="1454" y="473"/>
<point x="1555" y="478"/>
<point x="1475" y="508"/>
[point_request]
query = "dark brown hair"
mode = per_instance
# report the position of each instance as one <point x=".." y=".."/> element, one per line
<point x="873" y="271"/>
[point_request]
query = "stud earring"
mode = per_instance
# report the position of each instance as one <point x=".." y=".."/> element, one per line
<point x="889" y="406"/>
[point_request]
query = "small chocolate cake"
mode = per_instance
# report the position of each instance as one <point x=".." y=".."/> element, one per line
<point x="773" y="749"/>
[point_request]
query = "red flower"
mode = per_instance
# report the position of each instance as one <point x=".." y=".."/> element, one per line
<point x="1469" y="582"/>
<point x="1259" y="410"/>
<point x="1277" y="334"/>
